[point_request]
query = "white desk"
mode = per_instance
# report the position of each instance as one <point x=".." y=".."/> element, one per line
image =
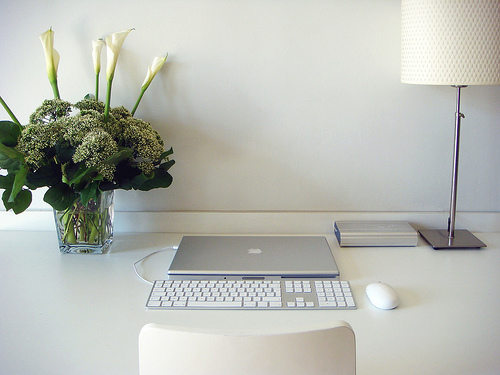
<point x="81" y="314"/>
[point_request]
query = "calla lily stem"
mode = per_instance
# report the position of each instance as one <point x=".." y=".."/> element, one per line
<point x="108" y="100"/>
<point x="97" y="87"/>
<point x="139" y="100"/>
<point x="10" y="113"/>
<point x="55" y="89"/>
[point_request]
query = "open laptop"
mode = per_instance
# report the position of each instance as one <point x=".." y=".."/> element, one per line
<point x="253" y="256"/>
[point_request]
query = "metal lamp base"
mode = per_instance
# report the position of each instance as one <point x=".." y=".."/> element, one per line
<point x="463" y="239"/>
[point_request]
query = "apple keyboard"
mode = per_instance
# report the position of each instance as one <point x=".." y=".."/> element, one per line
<point x="273" y="294"/>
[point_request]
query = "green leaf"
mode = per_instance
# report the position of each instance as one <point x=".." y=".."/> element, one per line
<point x="166" y="153"/>
<point x="90" y="192"/>
<point x="121" y="155"/>
<point x="6" y="182"/>
<point x="9" y="163"/>
<point x="5" y="199"/>
<point x="124" y="175"/>
<point x="166" y="166"/>
<point x="108" y="185"/>
<point x="64" y="152"/>
<point x="139" y="180"/>
<point x="20" y="203"/>
<point x="17" y="202"/>
<point x="46" y="175"/>
<point x="161" y="179"/>
<point x="60" y="197"/>
<point x="9" y="133"/>
<point x="11" y="152"/>
<point x="81" y="173"/>
<point x="19" y="182"/>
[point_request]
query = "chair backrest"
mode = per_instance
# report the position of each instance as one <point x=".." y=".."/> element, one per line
<point x="177" y="351"/>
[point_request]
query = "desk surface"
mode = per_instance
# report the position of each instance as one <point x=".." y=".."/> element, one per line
<point x="81" y="314"/>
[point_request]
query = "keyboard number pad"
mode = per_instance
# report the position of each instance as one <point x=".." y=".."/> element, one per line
<point x="334" y="294"/>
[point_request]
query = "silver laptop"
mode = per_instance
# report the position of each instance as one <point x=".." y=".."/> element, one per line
<point x="253" y="256"/>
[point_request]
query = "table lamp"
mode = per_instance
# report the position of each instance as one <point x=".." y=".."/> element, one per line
<point x="456" y="43"/>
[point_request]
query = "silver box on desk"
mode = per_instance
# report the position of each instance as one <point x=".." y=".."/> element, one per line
<point x="375" y="233"/>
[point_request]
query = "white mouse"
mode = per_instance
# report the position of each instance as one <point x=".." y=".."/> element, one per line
<point x="382" y="296"/>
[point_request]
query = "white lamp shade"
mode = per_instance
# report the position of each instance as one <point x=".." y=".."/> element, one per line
<point x="450" y="42"/>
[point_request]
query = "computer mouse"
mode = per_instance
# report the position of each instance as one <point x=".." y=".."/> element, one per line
<point x="382" y="296"/>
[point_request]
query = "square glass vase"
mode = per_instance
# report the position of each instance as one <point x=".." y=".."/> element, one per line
<point x="86" y="229"/>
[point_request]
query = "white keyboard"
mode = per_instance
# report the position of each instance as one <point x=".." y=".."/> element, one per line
<point x="284" y="294"/>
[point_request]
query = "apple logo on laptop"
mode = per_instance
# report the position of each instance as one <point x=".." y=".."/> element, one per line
<point x="254" y="251"/>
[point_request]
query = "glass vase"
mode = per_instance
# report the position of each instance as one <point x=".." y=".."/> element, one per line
<point x="86" y="228"/>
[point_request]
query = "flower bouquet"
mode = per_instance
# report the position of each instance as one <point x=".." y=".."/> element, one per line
<point x="82" y="152"/>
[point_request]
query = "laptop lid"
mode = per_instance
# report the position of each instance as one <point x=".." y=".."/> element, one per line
<point x="254" y="256"/>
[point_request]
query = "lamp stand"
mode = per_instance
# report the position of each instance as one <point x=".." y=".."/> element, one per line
<point x="451" y="238"/>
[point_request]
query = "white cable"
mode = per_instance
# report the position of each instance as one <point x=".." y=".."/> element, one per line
<point x="171" y="248"/>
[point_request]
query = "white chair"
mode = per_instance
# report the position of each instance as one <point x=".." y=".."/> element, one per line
<point x="177" y="351"/>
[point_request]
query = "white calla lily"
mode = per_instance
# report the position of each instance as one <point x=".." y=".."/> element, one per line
<point x="152" y="70"/>
<point x="51" y="59"/>
<point x="113" y="46"/>
<point x="97" y="46"/>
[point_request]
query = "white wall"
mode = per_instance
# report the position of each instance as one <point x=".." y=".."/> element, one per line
<point x="270" y="105"/>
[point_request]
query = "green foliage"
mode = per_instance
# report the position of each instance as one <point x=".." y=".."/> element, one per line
<point x="8" y="163"/>
<point x="79" y="155"/>
<point x="60" y="196"/>
<point x="9" y="133"/>
<point x="20" y="201"/>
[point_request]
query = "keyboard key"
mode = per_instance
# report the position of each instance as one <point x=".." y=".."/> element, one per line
<point x="271" y="299"/>
<point x="215" y="304"/>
